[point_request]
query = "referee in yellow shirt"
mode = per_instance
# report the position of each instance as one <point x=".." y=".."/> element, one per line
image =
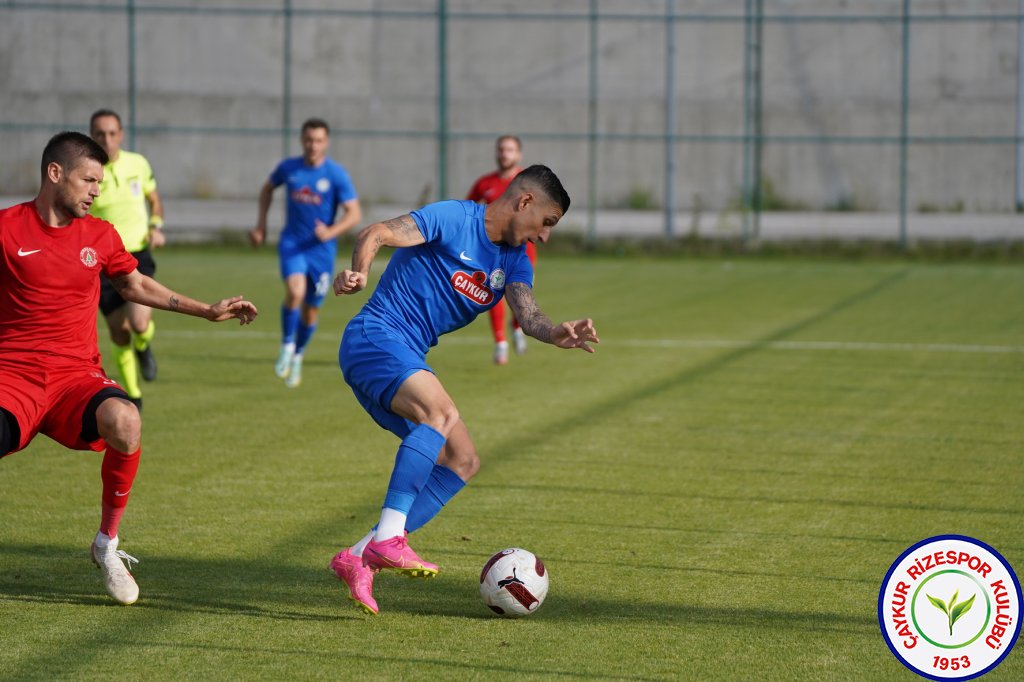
<point x="128" y="199"/>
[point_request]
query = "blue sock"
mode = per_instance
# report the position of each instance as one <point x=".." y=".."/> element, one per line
<point x="289" y="323"/>
<point x="413" y="464"/>
<point x="443" y="485"/>
<point x="305" y="333"/>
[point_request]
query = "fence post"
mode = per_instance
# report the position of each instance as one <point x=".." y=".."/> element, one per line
<point x="592" y="129"/>
<point x="1019" y="203"/>
<point x="752" y="123"/>
<point x="286" y="85"/>
<point x="904" y="121"/>
<point x="131" y="73"/>
<point x="442" y="99"/>
<point x="670" y="116"/>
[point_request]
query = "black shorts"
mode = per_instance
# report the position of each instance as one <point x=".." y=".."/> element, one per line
<point x="110" y="300"/>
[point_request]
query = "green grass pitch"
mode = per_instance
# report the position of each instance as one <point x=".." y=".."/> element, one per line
<point x="717" y="493"/>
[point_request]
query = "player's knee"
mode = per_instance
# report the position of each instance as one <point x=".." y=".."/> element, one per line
<point x="120" y="425"/>
<point x="446" y="419"/>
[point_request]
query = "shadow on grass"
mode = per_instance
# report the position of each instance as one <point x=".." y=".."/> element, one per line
<point x="269" y="589"/>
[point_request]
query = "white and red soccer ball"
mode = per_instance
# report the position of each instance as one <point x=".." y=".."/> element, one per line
<point x="513" y="582"/>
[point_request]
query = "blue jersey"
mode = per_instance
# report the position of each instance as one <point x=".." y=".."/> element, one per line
<point x="313" y="194"/>
<point x="442" y="285"/>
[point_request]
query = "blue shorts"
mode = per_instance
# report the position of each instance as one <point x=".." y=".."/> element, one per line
<point x="375" y="361"/>
<point x="316" y="263"/>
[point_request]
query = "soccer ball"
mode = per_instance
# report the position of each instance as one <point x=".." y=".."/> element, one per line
<point x="513" y="582"/>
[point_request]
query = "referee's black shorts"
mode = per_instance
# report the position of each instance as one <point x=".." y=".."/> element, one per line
<point x="110" y="300"/>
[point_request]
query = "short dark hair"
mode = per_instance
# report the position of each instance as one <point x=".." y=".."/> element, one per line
<point x="100" y="113"/>
<point x="514" y="138"/>
<point x="545" y="179"/>
<point x="69" y="148"/>
<point x="315" y="123"/>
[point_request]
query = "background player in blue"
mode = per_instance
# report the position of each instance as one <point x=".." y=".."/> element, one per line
<point x="456" y="259"/>
<point x="316" y="186"/>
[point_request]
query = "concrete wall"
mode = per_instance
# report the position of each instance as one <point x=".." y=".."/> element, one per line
<point x="210" y="107"/>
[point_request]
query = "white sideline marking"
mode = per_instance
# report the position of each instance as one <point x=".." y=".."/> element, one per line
<point x="867" y="346"/>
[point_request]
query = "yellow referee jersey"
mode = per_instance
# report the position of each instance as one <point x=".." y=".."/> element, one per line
<point x="122" y="199"/>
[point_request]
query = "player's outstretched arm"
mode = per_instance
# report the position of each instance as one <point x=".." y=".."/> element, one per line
<point x="258" y="234"/>
<point x="397" y="232"/>
<point x="352" y="215"/>
<point x="139" y="288"/>
<point x="573" y="334"/>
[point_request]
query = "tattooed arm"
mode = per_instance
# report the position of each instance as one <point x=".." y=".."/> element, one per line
<point x="397" y="232"/>
<point x="139" y="288"/>
<point x="574" y="334"/>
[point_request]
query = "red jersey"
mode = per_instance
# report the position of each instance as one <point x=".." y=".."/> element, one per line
<point x="489" y="187"/>
<point x="50" y="282"/>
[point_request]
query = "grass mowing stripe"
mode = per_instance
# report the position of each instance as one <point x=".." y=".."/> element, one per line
<point x="706" y="512"/>
<point x="869" y="346"/>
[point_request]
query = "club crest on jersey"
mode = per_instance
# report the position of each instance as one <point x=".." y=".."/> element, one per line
<point x="473" y="287"/>
<point x="304" y="195"/>
<point x="498" y="279"/>
<point x="88" y="256"/>
<point x="323" y="185"/>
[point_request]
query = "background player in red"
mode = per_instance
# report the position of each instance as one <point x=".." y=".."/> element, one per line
<point x="51" y="381"/>
<point x="508" y="154"/>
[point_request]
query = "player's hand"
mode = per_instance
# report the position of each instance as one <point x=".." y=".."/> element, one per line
<point x="349" y="282"/>
<point x="156" y="239"/>
<point x="575" y="334"/>
<point x="234" y="307"/>
<point x="257" y="236"/>
<point x="322" y="231"/>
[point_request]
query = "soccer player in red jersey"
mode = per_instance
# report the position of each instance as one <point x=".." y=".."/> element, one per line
<point x="508" y="154"/>
<point x="51" y="381"/>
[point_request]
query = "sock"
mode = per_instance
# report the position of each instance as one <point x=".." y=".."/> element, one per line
<point x="102" y="540"/>
<point x="357" y="549"/>
<point x="142" y="340"/>
<point x="413" y="464"/>
<point x="516" y="327"/>
<point x="443" y="485"/>
<point x="129" y="366"/>
<point x="392" y="523"/>
<point x="289" y="324"/>
<point x="118" y="473"/>
<point x="497" y="314"/>
<point x="302" y="337"/>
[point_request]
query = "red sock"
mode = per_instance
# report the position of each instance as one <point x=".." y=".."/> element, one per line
<point x="498" y="322"/>
<point x="118" y="474"/>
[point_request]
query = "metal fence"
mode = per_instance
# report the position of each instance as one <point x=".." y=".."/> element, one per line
<point x="669" y="105"/>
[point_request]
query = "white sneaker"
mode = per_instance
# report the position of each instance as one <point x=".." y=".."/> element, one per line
<point x="284" y="361"/>
<point x="119" y="581"/>
<point x="294" y="372"/>
<point x="501" y="353"/>
<point x="519" y="338"/>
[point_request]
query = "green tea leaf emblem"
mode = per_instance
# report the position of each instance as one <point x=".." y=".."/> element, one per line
<point x="954" y="611"/>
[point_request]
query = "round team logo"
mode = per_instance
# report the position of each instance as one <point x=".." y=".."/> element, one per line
<point x="498" y="279"/>
<point x="949" y="608"/>
<point x="88" y="256"/>
<point x="323" y="184"/>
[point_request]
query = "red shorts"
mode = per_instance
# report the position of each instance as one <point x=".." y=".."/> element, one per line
<point x="53" y="399"/>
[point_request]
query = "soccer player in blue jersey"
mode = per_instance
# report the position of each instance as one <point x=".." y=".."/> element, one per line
<point x="454" y="260"/>
<point x="317" y="186"/>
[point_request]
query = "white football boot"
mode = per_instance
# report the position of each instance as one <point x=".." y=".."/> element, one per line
<point x="294" y="377"/>
<point x="118" y="580"/>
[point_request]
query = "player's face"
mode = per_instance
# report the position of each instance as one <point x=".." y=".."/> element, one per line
<point x="533" y="221"/>
<point x="314" y="145"/>
<point x="77" y="188"/>
<point x="507" y="155"/>
<point x="108" y="134"/>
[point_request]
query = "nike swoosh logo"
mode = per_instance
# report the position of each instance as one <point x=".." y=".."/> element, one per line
<point x="117" y="494"/>
<point x="27" y="253"/>
<point x="463" y="256"/>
